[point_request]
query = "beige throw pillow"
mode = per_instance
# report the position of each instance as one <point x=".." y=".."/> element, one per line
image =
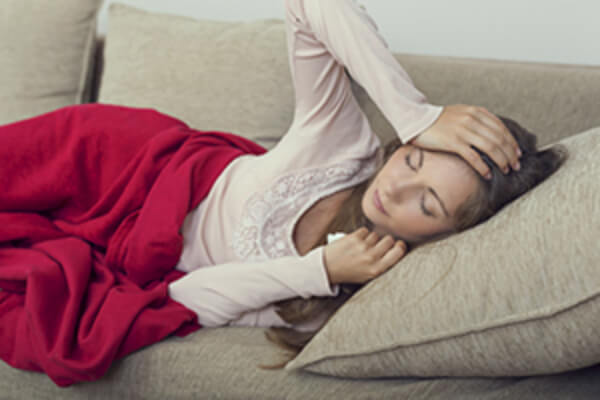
<point x="213" y="75"/>
<point x="516" y="295"/>
<point x="46" y="55"/>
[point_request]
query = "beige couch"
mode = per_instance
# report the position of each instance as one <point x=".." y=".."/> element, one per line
<point x="234" y="77"/>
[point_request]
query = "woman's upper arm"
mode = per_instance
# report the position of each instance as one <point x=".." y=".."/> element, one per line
<point x="323" y="95"/>
<point x="326" y="36"/>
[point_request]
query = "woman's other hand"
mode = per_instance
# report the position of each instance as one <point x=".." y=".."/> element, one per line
<point x="361" y="256"/>
<point x="461" y="125"/>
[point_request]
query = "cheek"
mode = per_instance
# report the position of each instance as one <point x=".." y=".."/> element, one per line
<point x="411" y="222"/>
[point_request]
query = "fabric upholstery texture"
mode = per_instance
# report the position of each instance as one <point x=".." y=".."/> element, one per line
<point x="226" y="76"/>
<point x="241" y="83"/>
<point x="46" y="55"/>
<point x="516" y="295"/>
<point x="220" y="363"/>
<point x="234" y="76"/>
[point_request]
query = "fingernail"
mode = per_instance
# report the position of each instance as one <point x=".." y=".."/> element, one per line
<point x="488" y="175"/>
<point x="517" y="166"/>
<point x="519" y="152"/>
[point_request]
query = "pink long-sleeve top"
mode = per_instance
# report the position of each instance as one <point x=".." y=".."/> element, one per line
<point x="238" y="247"/>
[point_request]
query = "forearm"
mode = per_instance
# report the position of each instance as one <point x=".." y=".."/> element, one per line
<point x="221" y="293"/>
<point x="351" y="37"/>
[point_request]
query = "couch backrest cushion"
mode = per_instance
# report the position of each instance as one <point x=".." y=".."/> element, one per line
<point x="46" y="55"/>
<point x="234" y="76"/>
<point x="213" y="75"/>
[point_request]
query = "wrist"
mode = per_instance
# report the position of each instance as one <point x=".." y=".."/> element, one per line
<point x="327" y="266"/>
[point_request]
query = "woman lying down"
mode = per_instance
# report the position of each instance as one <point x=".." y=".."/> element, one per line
<point x="331" y="174"/>
<point x="102" y="200"/>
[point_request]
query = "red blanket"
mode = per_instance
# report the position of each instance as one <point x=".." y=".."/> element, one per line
<point x="92" y="198"/>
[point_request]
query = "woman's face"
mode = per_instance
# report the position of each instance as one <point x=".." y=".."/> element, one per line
<point x="419" y="191"/>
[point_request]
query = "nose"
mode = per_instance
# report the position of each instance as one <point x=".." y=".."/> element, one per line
<point x="402" y="189"/>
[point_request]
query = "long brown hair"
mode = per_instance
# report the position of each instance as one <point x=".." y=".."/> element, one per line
<point x="490" y="197"/>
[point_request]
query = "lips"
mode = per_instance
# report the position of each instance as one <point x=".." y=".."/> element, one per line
<point x="378" y="203"/>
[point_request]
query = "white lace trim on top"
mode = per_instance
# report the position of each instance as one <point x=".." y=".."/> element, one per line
<point x="268" y="219"/>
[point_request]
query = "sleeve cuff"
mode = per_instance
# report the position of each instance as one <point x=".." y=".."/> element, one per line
<point x="324" y="287"/>
<point x="429" y="113"/>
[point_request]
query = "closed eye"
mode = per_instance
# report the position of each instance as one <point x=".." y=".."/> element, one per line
<point x="407" y="158"/>
<point x="425" y="211"/>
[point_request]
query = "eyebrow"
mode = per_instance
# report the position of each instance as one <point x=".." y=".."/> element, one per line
<point x="432" y="190"/>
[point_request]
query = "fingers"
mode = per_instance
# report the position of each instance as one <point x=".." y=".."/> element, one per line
<point x="387" y="252"/>
<point x="501" y="127"/>
<point x="492" y="149"/>
<point x="371" y="239"/>
<point x="473" y="158"/>
<point x="502" y="139"/>
<point x="361" y="232"/>
<point x="393" y="255"/>
<point x="493" y="139"/>
<point x="382" y="253"/>
<point x="382" y="246"/>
